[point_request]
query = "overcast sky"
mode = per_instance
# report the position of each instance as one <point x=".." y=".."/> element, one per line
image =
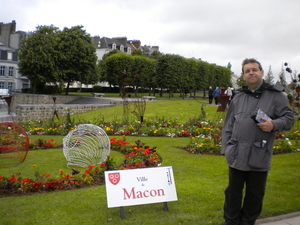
<point x="217" y="31"/>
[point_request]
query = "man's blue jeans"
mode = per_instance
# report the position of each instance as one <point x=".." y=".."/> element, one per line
<point x="237" y="211"/>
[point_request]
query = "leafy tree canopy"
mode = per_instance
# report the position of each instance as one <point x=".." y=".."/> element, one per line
<point x="39" y="56"/>
<point x="54" y="56"/>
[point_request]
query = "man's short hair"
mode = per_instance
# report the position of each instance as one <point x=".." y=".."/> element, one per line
<point x="251" y="60"/>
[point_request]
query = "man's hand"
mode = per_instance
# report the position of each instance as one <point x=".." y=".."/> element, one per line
<point x="266" y="126"/>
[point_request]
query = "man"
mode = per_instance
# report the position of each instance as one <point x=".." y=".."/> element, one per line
<point x="228" y="92"/>
<point x="217" y="94"/>
<point x="248" y="144"/>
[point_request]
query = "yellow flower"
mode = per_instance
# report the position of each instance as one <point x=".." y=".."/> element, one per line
<point x="34" y="165"/>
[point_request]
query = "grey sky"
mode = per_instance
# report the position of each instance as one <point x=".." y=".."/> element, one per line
<point x="217" y="31"/>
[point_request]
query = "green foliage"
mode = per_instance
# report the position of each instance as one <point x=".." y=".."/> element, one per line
<point x="204" y="78"/>
<point x="269" y="78"/>
<point x="39" y="56"/>
<point x="171" y="72"/>
<point x="49" y="55"/>
<point x="282" y="78"/>
<point x="117" y="68"/>
<point x="155" y="55"/>
<point x="79" y="57"/>
<point x="137" y="52"/>
<point x="241" y="82"/>
<point x="141" y="71"/>
<point x="97" y="89"/>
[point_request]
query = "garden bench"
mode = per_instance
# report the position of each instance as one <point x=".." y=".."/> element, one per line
<point x="150" y="98"/>
<point x="98" y="94"/>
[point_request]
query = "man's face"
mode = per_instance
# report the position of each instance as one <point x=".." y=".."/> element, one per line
<point x="252" y="74"/>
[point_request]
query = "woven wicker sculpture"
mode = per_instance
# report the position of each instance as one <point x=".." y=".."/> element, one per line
<point x="14" y="144"/>
<point x="86" y="145"/>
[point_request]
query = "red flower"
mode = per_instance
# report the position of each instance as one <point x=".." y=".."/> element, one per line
<point x="46" y="175"/>
<point x="126" y="132"/>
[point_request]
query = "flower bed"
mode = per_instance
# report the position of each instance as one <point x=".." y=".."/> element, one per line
<point x="136" y="156"/>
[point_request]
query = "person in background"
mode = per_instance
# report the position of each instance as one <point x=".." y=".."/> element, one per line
<point x="216" y="94"/>
<point x="210" y="95"/>
<point x="228" y="92"/>
<point x="248" y="144"/>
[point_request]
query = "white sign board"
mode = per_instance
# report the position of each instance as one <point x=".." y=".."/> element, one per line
<point x="140" y="186"/>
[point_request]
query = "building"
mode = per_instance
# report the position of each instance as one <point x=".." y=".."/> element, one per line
<point x="10" y="78"/>
<point x="9" y="72"/>
<point x="104" y="45"/>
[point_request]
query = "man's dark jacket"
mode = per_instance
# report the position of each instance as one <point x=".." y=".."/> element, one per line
<point x="242" y="139"/>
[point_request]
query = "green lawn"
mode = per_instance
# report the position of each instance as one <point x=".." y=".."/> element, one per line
<point x="200" y="183"/>
<point x="175" y="109"/>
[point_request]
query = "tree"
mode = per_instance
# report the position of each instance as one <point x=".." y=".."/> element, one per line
<point x="282" y="79"/>
<point x="269" y="77"/>
<point x="170" y="72"/>
<point x="101" y="65"/>
<point x="155" y="55"/>
<point x="193" y="66"/>
<point x="117" y="68"/>
<point x="39" y="57"/>
<point x="53" y="56"/>
<point x="203" y="76"/>
<point x="137" y="52"/>
<point x="141" y="71"/>
<point x="79" y="60"/>
<point x="241" y="82"/>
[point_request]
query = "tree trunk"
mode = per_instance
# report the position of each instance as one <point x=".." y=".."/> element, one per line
<point x="67" y="88"/>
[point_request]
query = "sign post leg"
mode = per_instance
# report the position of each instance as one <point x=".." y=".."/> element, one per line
<point x="166" y="207"/>
<point x="122" y="215"/>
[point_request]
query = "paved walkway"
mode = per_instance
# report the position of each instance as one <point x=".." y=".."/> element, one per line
<point x="286" y="219"/>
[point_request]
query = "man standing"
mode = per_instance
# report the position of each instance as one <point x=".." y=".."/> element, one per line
<point x="217" y="94"/>
<point x="228" y="92"/>
<point x="248" y="144"/>
<point x="210" y="94"/>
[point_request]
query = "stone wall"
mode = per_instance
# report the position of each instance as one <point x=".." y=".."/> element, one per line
<point x="28" y="107"/>
<point x="44" y="112"/>
<point x="22" y="98"/>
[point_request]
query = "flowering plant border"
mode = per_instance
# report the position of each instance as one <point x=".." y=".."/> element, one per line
<point x="136" y="156"/>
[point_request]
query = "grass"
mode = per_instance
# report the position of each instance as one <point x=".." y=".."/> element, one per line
<point x="200" y="183"/>
<point x="181" y="110"/>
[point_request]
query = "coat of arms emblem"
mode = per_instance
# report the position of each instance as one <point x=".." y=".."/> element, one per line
<point x="114" y="178"/>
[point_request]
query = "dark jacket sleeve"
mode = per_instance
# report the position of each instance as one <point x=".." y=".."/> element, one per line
<point x="284" y="115"/>
<point x="227" y="128"/>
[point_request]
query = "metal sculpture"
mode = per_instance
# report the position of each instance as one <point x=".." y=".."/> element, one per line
<point x="86" y="145"/>
<point x="14" y="144"/>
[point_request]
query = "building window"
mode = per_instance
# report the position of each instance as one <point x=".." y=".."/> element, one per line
<point x="9" y="56"/>
<point x="25" y="85"/>
<point x="2" y="70"/>
<point x="122" y="48"/>
<point x="114" y="46"/>
<point x="1" y="85"/>
<point x="9" y="85"/>
<point x="10" y="71"/>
